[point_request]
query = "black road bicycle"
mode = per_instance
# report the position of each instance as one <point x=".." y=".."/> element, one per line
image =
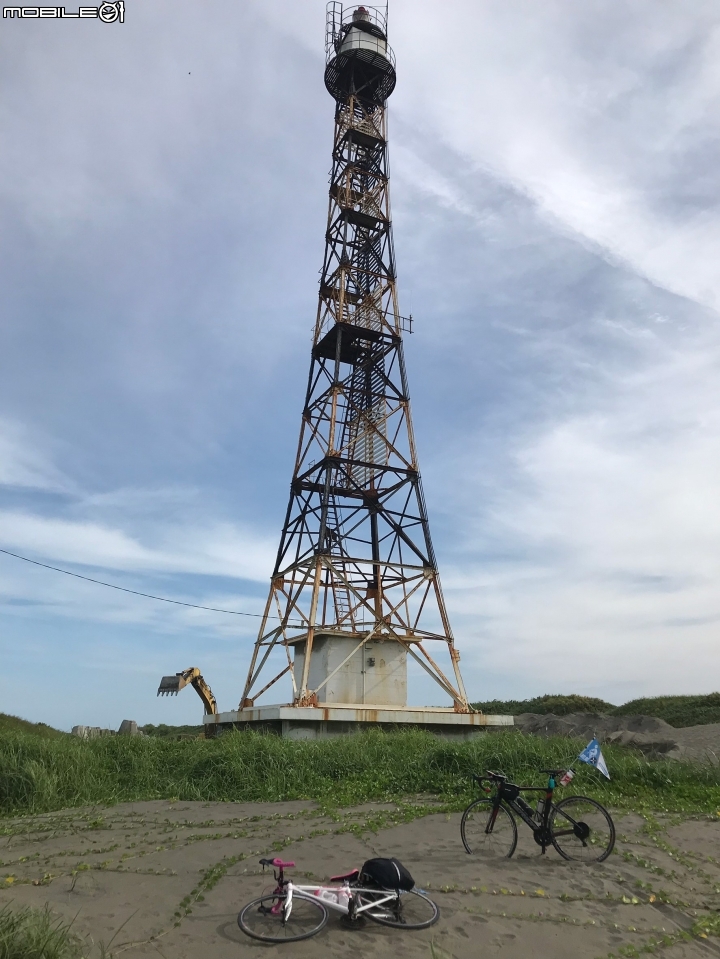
<point x="579" y="828"/>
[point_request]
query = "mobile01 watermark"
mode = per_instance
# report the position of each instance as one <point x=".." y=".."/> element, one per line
<point x="107" y="12"/>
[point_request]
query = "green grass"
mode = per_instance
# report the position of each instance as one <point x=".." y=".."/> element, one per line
<point x="678" y="711"/>
<point x="13" y="724"/>
<point x="162" y="731"/>
<point x="41" y="775"/>
<point x="559" y="705"/>
<point x="36" y="934"/>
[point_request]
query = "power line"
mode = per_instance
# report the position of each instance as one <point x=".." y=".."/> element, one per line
<point x="135" y="592"/>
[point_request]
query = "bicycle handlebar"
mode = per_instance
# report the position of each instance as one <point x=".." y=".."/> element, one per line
<point x="493" y="777"/>
<point x="490" y="778"/>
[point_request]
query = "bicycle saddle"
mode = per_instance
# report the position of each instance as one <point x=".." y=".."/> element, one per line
<point x="500" y="777"/>
<point x="350" y="876"/>
<point x="278" y="863"/>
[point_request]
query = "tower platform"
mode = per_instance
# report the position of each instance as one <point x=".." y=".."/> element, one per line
<point x="321" y="722"/>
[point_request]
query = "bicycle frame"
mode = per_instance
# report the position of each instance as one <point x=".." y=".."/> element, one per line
<point x="529" y="818"/>
<point x="540" y="828"/>
<point x="313" y="893"/>
<point x="286" y="890"/>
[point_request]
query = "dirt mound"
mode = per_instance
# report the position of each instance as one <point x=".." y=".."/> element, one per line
<point x="654" y="737"/>
<point x="700" y="742"/>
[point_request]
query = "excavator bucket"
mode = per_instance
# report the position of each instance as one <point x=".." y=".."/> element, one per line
<point x="171" y="685"/>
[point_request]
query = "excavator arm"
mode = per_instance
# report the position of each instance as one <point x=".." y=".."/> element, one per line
<point x="171" y="686"/>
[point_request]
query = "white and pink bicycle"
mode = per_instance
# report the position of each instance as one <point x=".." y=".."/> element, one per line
<point x="292" y="912"/>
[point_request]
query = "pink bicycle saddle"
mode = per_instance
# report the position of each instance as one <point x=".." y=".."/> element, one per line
<point x="352" y="875"/>
<point x="282" y="865"/>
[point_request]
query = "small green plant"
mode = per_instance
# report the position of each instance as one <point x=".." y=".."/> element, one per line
<point x="437" y="952"/>
<point x="707" y="926"/>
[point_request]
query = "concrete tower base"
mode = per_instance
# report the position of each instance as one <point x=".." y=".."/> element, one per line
<point x="375" y="673"/>
<point x="321" y="722"/>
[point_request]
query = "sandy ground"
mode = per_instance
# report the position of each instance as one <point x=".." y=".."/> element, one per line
<point x="168" y="879"/>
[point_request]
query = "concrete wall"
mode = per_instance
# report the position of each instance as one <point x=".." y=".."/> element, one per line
<point x="376" y="674"/>
<point x="91" y="732"/>
<point x="128" y="727"/>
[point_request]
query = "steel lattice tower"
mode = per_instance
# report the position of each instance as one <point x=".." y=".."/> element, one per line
<point x="356" y="560"/>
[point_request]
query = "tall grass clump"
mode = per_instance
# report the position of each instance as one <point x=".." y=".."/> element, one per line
<point x="42" y="775"/>
<point x="36" y="934"/>
<point x="13" y="724"/>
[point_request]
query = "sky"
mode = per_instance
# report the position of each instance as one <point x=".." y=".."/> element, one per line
<point x="555" y="181"/>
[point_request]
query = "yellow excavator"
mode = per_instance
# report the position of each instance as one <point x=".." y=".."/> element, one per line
<point x="171" y="686"/>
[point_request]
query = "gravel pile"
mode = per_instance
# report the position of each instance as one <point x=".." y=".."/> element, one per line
<point x="654" y="737"/>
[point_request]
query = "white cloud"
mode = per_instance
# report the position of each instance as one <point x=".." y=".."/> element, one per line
<point x="595" y="111"/>
<point x="608" y="525"/>
<point x="24" y="465"/>
<point x="219" y="549"/>
<point x="156" y="532"/>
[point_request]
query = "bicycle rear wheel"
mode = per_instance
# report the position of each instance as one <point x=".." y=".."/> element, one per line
<point x="406" y="910"/>
<point x="259" y="920"/>
<point x="582" y="829"/>
<point x="487" y="833"/>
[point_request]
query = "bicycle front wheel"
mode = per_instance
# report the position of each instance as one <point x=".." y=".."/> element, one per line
<point x="582" y="829"/>
<point x="488" y="833"/>
<point x="264" y="919"/>
<point x="406" y="910"/>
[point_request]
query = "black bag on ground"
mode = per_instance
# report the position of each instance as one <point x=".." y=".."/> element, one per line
<point x="386" y="873"/>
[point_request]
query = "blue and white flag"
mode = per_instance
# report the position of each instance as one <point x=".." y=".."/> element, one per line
<point x="592" y="755"/>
